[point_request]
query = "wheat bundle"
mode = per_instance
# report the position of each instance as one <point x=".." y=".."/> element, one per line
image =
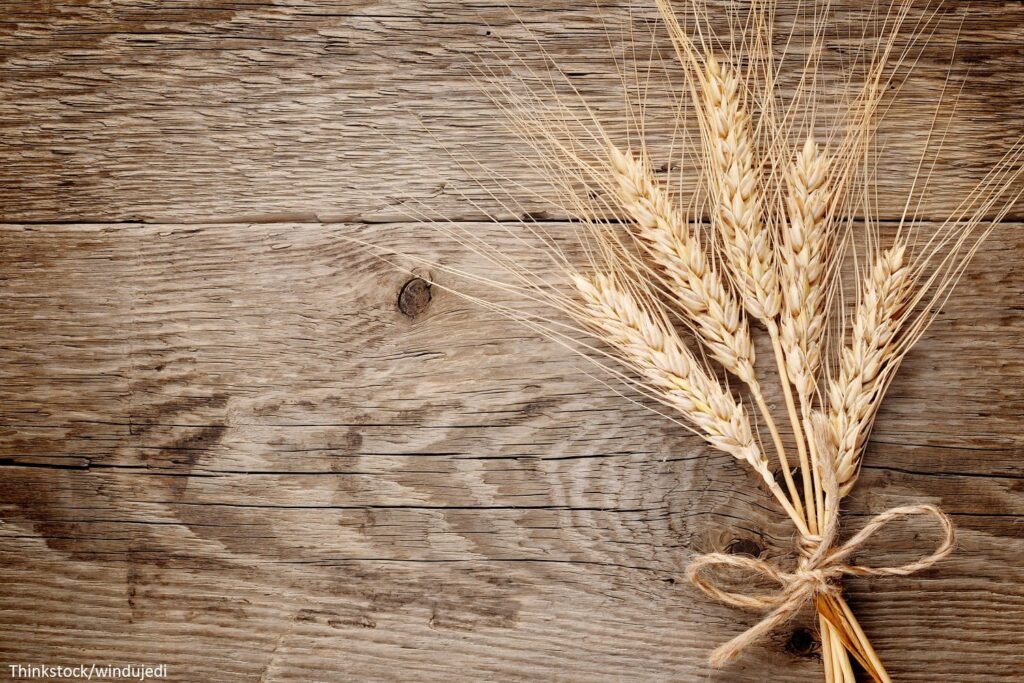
<point x="783" y="207"/>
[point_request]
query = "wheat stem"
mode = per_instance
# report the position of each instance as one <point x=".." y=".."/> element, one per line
<point x="825" y="631"/>
<point x="844" y="661"/>
<point x="787" y="392"/>
<point x="863" y="641"/>
<point x="787" y="474"/>
<point x="817" y="485"/>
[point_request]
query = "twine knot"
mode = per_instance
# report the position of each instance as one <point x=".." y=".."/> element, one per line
<point x="816" y="581"/>
<point x="819" y="572"/>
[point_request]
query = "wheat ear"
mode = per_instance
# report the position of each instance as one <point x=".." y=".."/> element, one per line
<point x="681" y="259"/>
<point x="746" y="241"/>
<point x="866" y="364"/>
<point x="655" y="351"/>
<point x="710" y="307"/>
<point x="738" y="202"/>
<point x="803" y="266"/>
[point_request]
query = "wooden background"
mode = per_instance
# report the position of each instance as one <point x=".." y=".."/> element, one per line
<point x="231" y="443"/>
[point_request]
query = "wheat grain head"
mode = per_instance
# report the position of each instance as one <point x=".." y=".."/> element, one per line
<point x="655" y="351"/>
<point x="868" y="361"/>
<point x="675" y="248"/>
<point x="804" y="267"/>
<point x="735" y="184"/>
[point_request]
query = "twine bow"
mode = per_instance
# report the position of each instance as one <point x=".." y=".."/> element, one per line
<point x="818" y="573"/>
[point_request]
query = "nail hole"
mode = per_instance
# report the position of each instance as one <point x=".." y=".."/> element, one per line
<point x="414" y="297"/>
<point x="743" y="546"/>
<point x="802" y="642"/>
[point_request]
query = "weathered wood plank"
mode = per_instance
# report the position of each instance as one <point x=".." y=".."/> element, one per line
<point x="224" y="447"/>
<point x="227" y="110"/>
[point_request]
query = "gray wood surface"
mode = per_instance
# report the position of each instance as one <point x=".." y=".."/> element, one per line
<point x="234" y="443"/>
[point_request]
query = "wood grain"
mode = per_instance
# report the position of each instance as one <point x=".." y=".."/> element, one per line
<point x="362" y="110"/>
<point x="230" y="449"/>
<point x="234" y="443"/>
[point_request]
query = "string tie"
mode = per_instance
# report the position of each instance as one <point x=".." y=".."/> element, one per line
<point x="819" y="572"/>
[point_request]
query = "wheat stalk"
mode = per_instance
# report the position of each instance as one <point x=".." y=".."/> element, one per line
<point x="655" y="351"/>
<point x="746" y="241"/>
<point x="708" y="304"/>
<point x="659" y="354"/>
<point x="865" y="365"/>
<point x="803" y="264"/>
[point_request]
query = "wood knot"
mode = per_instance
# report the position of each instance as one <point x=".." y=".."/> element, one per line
<point x="802" y="642"/>
<point x="744" y="546"/>
<point x="414" y="297"/>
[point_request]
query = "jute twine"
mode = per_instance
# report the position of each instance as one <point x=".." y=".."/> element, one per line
<point x="818" y="573"/>
<point x="821" y="567"/>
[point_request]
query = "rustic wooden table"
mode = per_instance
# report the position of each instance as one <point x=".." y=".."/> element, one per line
<point x="229" y="444"/>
